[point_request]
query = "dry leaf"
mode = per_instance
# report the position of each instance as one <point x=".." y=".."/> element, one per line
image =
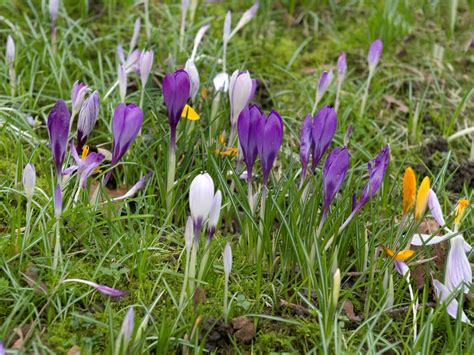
<point x="199" y="297"/>
<point x="400" y="105"/>
<point x="348" y="308"/>
<point x="428" y="226"/>
<point x="31" y="277"/>
<point x="244" y="330"/>
<point x="75" y="350"/>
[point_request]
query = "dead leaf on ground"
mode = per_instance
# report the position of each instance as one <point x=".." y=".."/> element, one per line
<point x="244" y="331"/>
<point x="199" y="297"/>
<point x="32" y="279"/>
<point x="75" y="350"/>
<point x="348" y="308"/>
<point x="428" y="226"/>
<point x="296" y="308"/>
<point x="399" y="104"/>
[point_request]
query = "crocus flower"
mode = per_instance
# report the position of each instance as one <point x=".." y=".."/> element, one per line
<point x="87" y="119"/>
<point x="176" y="90"/>
<point x="323" y="84"/>
<point x="401" y="267"/>
<point x="458" y="269"/>
<point x="127" y="326"/>
<point x="58" y="127"/>
<point x="227" y="259"/>
<point x="126" y="124"/>
<point x="246" y="17"/>
<point x="58" y="201"/>
<point x="10" y="52"/>
<point x="241" y="90"/>
<point x="78" y="94"/>
<point x="193" y="73"/>
<point x="409" y="190"/>
<point x="85" y="167"/>
<point x="334" y="173"/>
<point x="29" y="180"/>
<point x="136" y="33"/>
<point x="375" y="51"/>
<point x="201" y="198"/>
<point x="122" y="79"/>
<point x="422" y="198"/>
<point x="248" y="127"/>
<point x="322" y="132"/>
<point x="341" y="67"/>
<point x="214" y="214"/>
<point x="104" y="289"/>
<point x="269" y="142"/>
<point x="435" y="208"/>
<point x="53" y="10"/>
<point x="221" y="82"/>
<point x="197" y="40"/>
<point x="135" y="188"/>
<point x="145" y="64"/>
<point x="305" y="145"/>
<point x="443" y="294"/>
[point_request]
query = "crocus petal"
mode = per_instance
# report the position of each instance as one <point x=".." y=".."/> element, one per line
<point x="227" y="259"/>
<point x="29" y="180"/>
<point x="197" y="40"/>
<point x="88" y="166"/>
<point x="375" y="51"/>
<point x="240" y="91"/>
<point x="435" y="208"/>
<point x="78" y="94"/>
<point x="126" y="124"/>
<point x="10" y="52"/>
<point x="409" y="190"/>
<point x="221" y="82"/>
<point x="190" y="114"/>
<point x="269" y="142"/>
<point x="201" y="197"/>
<point x="136" y="33"/>
<point x="442" y="294"/>
<point x="58" y="127"/>
<point x="305" y="142"/>
<point x="246" y="17"/>
<point x="227" y="24"/>
<point x="122" y="77"/>
<point x="426" y="239"/>
<point x="248" y="128"/>
<point x="324" y="127"/>
<point x="341" y="66"/>
<point x="422" y="198"/>
<point x="53" y="10"/>
<point x="458" y="270"/>
<point x="334" y="173"/>
<point x="214" y="213"/>
<point x="399" y="256"/>
<point x="2" y="350"/>
<point x="87" y="118"/>
<point x="128" y="325"/>
<point x="106" y="290"/>
<point x="462" y="204"/>
<point x="135" y="188"/>
<point x="146" y="63"/>
<point x="189" y="234"/>
<point x="176" y="90"/>
<point x="401" y="267"/>
<point x="193" y="73"/>
<point x="323" y="84"/>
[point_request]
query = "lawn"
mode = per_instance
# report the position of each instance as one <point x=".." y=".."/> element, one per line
<point x="236" y="177"/>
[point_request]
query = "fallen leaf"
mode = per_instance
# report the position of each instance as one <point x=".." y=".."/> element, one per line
<point x="296" y="308"/>
<point x="32" y="279"/>
<point x="348" y="308"/>
<point x="244" y="331"/>
<point x="428" y="226"/>
<point x="199" y="297"/>
<point x="400" y="105"/>
<point x="75" y="350"/>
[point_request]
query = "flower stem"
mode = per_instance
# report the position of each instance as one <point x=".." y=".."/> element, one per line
<point x="226" y="295"/>
<point x="366" y="94"/>
<point x="204" y="259"/>
<point x="57" y="247"/>
<point x="171" y="171"/>
<point x="185" y="281"/>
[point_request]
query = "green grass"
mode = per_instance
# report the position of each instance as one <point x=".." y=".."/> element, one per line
<point x="416" y="97"/>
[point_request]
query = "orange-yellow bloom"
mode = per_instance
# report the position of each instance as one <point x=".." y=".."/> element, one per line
<point x="422" y="198"/>
<point x="409" y="190"/>
<point x="401" y="255"/>
<point x="190" y="114"/>
<point x="229" y="152"/>
<point x="462" y="204"/>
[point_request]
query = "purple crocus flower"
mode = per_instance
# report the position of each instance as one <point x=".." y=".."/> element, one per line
<point x="334" y="173"/>
<point x="305" y="145"/>
<point x="58" y="127"/>
<point x="78" y="94"/>
<point x="377" y="168"/>
<point x="375" y="51"/>
<point x="248" y="128"/>
<point x="145" y="64"/>
<point x="106" y="290"/>
<point x="176" y="90"/>
<point x="269" y="142"/>
<point x="85" y="167"/>
<point x="87" y="119"/>
<point x="341" y="66"/>
<point x="443" y="294"/>
<point x="135" y="188"/>
<point x="322" y="132"/>
<point x="126" y="124"/>
<point x="324" y="81"/>
<point x="401" y="267"/>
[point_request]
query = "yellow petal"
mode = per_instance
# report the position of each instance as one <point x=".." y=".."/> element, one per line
<point x="401" y="255"/>
<point x="422" y="198"/>
<point x="221" y="138"/>
<point x="190" y="114"/>
<point x="85" y="152"/>
<point x="409" y="190"/>
<point x="462" y="204"/>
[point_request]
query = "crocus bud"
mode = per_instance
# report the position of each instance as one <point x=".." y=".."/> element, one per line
<point x="422" y="198"/>
<point x="10" y="53"/>
<point x="248" y="128"/>
<point x="334" y="173"/>
<point x="305" y="144"/>
<point x="336" y="281"/>
<point x="409" y="190"/>
<point x="347" y="136"/>
<point x="146" y="62"/>
<point x="375" y="51"/>
<point x="246" y="17"/>
<point x="269" y="142"/>
<point x="323" y="84"/>
<point x="214" y="214"/>
<point x="322" y="133"/>
<point x="189" y="234"/>
<point x="197" y="40"/>
<point x="176" y="89"/>
<point x="442" y="295"/>
<point x="227" y="259"/>
<point x="341" y="66"/>
<point x="128" y="325"/>
<point x="401" y="267"/>
<point x="53" y="10"/>
<point x="221" y="82"/>
<point x="126" y="124"/>
<point x="87" y="118"/>
<point x="435" y="208"/>
<point x="122" y="78"/>
<point x="29" y="180"/>
<point x="78" y="94"/>
<point x="136" y="33"/>
<point x="140" y="184"/>
<point x="133" y="60"/>
<point x="104" y="289"/>
<point x="201" y="197"/>
<point x="226" y="30"/>
<point x="58" y="201"/>
<point x="58" y="127"/>
<point x="193" y="73"/>
<point x="240" y="93"/>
